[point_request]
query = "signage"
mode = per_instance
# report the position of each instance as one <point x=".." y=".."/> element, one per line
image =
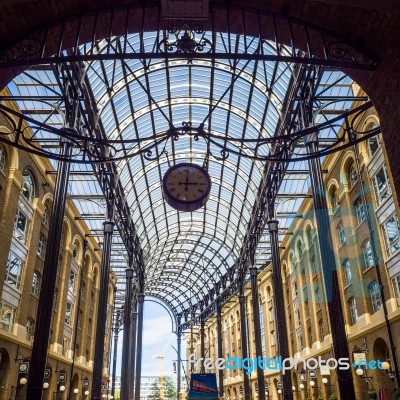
<point x="203" y="386"/>
<point x="47" y="373"/>
<point x="359" y="357"/>
<point x="280" y="385"/>
<point x="302" y="377"/>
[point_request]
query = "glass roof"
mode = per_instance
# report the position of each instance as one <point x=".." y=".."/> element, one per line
<point x="185" y="254"/>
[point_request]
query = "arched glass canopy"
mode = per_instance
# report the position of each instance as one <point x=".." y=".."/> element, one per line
<point x="173" y="101"/>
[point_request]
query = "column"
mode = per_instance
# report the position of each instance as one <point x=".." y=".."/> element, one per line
<point x="280" y="320"/>
<point x="202" y="350"/>
<point x="139" y="346"/>
<point x="102" y="304"/>
<point x="243" y="338"/>
<point x="126" y="385"/>
<point x="331" y="281"/>
<point x="220" y="355"/>
<point x="46" y="297"/>
<point x="257" y="331"/>
<point x="132" y="350"/>
<point x="178" y="367"/>
<point x="114" y="364"/>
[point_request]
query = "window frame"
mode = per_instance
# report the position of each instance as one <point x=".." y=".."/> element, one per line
<point x="35" y="285"/>
<point x="9" y="280"/>
<point x="352" y="304"/>
<point x="393" y="247"/>
<point x="375" y="296"/>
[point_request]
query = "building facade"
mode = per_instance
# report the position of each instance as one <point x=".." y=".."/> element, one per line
<point x="364" y="218"/>
<point x="26" y="191"/>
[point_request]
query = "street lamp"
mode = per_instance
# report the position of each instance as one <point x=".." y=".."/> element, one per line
<point x="23" y="381"/>
<point x="46" y="385"/>
<point x="76" y="390"/>
<point x="301" y="386"/>
<point x="386" y="367"/>
<point x="87" y="393"/>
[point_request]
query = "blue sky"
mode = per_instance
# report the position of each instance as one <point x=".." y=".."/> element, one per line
<point x="157" y="337"/>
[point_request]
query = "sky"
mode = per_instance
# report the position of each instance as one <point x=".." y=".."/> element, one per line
<point x="157" y="337"/>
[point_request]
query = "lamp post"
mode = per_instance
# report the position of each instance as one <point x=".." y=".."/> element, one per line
<point x="392" y="373"/>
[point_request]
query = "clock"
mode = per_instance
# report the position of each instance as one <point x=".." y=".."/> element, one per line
<point x="186" y="186"/>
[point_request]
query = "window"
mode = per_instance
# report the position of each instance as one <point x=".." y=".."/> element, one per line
<point x="381" y="185"/>
<point x="341" y="234"/>
<point x="68" y="313"/>
<point x="314" y="265"/>
<point x="273" y="338"/>
<point x="2" y="158"/>
<point x="353" y="310"/>
<point x="396" y="287"/>
<point x="41" y="245"/>
<point x="391" y="229"/>
<point x="317" y="298"/>
<point x="35" y="288"/>
<point x="7" y="313"/>
<point x="75" y="250"/>
<point x="71" y="281"/>
<point x="367" y="254"/>
<point x="89" y="327"/>
<point x="321" y="329"/>
<point x="353" y="175"/>
<point x="347" y="272"/>
<point x="79" y="321"/>
<point x="375" y="295"/>
<point x="334" y="200"/>
<point x="271" y="314"/>
<point x="360" y="210"/>
<point x="14" y="270"/>
<point x="29" y="329"/>
<point x="300" y="339"/>
<point x="66" y="345"/>
<point x="298" y="318"/>
<point x="45" y="219"/>
<point x="83" y="291"/>
<point x="28" y="187"/>
<point x="310" y="336"/>
<point x="21" y="227"/>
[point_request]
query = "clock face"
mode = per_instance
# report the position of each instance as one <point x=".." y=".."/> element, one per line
<point x="186" y="186"/>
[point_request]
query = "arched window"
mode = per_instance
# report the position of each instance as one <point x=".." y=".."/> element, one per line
<point x="352" y="174"/>
<point x="75" y="250"/>
<point x="2" y="158"/>
<point x="35" y="288"/>
<point x="28" y="187"/>
<point x="347" y="272"/>
<point x="334" y="200"/>
<point x="375" y="295"/>
<point x="373" y="143"/>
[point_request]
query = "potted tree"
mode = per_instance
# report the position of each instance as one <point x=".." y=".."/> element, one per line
<point x="372" y="394"/>
<point x="332" y="397"/>
<point x="396" y="394"/>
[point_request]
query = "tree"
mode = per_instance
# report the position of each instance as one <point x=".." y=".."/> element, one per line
<point x="169" y="389"/>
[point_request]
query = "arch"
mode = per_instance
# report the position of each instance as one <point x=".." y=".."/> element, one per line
<point x="66" y="233"/>
<point x="5" y="369"/>
<point x="77" y="248"/>
<point x="347" y="160"/>
<point x="371" y="145"/>
<point x="11" y="151"/>
<point x="96" y="282"/>
<point x="381" y="352"/>
<point x="308" y="228"/>
<point x="29" y="186"/>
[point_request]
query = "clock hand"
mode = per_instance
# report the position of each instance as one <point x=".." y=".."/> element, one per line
<point x="187" y="181"/>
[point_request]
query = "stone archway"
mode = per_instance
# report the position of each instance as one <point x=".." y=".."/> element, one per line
<point x="5" y="385"/>
<point x="380" y="351"/>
